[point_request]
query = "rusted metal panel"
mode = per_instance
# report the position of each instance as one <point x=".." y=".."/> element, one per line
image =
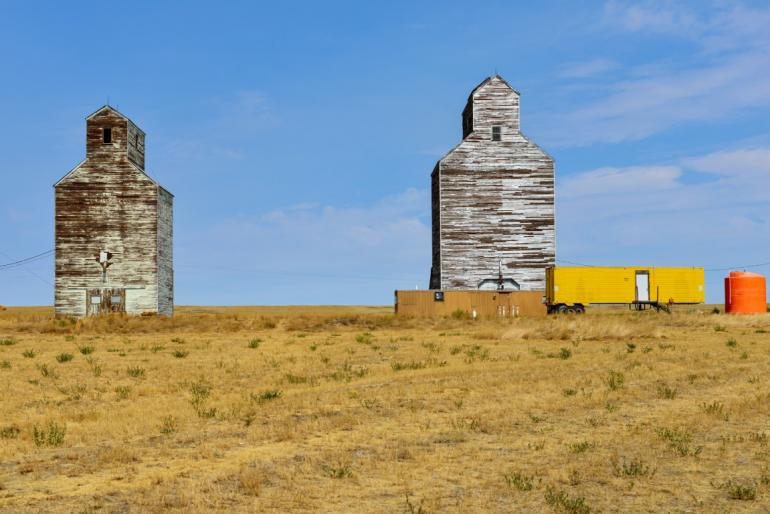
<point x="109" y="203"/>
<point x="493" y="201"/>
<point x="485" y="304"/>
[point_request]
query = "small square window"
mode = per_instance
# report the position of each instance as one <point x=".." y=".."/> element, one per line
<point x="116" y="299"/>
<point x="438" y="296"/>
<point x="107" y="135"/>
<point x="96" y="300"/>
<point x="496" y="133"/>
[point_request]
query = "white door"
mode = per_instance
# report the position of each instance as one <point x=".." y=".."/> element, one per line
<point x="642" y="286"/>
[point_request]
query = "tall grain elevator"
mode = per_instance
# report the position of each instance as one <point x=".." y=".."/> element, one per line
<point x="113" y="227"/>
<point x="492" y="200"/>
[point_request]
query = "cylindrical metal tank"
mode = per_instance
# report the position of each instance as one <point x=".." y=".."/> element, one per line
<point x="745" y="293"/>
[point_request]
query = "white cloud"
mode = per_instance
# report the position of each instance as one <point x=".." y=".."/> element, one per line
<point x="660" y="215"/>
<point x="621" y="180"/>
<point x="656" y="16"/>
<point x="359" y="252"/>
<point x="727" y="74"/>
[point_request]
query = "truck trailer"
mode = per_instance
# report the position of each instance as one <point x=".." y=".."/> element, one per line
<point x="571" y="289"/>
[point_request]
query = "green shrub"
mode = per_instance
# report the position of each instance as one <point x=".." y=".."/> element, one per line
<point x="30" y="354"/>
<point x="51" y="434"/>
<point x="180" y="354"/>
<point x="7" y="341"/>
<point x="615" y="380"/>
<point x="739" y="491"/>
<point x="519" y="480"/>
<point x="135" y="371"/>
<point x="254" y="343"/>
<point x="64" y="357"/>
<point x="561" y="501"/>
<point x="86" y="350"/>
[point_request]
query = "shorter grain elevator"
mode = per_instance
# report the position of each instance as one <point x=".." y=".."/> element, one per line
<point x="113" y="227"/>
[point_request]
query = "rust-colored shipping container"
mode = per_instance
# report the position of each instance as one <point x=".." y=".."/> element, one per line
<point x="481" y="304"/>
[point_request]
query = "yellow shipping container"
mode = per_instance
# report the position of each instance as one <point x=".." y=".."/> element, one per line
<point x="577" y="287"/>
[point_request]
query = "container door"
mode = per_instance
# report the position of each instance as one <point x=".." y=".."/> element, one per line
<point x="93" y="302"/>
<point x="117" y="299"/>
<point x="642" y="286"/>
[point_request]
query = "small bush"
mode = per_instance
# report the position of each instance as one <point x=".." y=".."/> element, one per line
<point x="157" y="348"/>
<point x="634" y="468"/>
<point x="199" y="395"/>
<point x="95" y="366"/>
<point x="630" y="347"/>
<point x="51" y="434"/>
<point x="7" y="341"/>
<point x="338" y="471"/>
<point x="365" y="338"/>
<point x="9" y="432"/>
<point x="168" y="425"/>
<point x="5" y="365"/>
<point x="679" y="440"/>
<point x="266" y="396"/>
<point x="180" y="354"/>
<point x="86" y="350"/>
<point x="560" y="500"/>
<point x="460" y="314"/>
<point x="46" y="371"/>
<point x="615" y="380"/>
<point x="64" y="357"/>
<point x="581" y="446"/>
<point x="569" y="392"/>
<point x="135" y="371"/>
<point x="519" y="480"/>
<point x="122" y="392"/>
<point x="716" y="409"/>
<point x="665" y="392"/>
<point x="400" y="366"/>
<point x="254" y="343"/>
<point x="739" y="491"/>
<point x="731" y="343"/>
<point x="30" y="354"/>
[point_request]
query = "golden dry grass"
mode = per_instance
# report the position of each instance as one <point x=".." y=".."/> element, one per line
<point x="346" y="409"/>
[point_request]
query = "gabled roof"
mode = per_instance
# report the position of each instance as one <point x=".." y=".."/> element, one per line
<point x="109" y="108"/>
<point x="487" y="81"/>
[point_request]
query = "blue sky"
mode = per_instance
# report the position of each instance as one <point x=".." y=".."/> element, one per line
<point x="299" y="139"/>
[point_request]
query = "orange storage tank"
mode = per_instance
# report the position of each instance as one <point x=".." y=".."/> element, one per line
<point x="745" y="293"/>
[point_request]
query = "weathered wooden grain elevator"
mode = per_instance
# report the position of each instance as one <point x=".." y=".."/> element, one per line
<point x="492" y="200"/>
<point x="113" y="227"/>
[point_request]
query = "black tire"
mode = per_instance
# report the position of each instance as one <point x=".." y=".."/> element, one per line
<point x="580" y="309"/>
<point x="561" y="308"/>
<point x="570" y="310"/>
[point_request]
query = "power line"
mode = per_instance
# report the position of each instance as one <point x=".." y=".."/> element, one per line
<point x="27" y="260"/>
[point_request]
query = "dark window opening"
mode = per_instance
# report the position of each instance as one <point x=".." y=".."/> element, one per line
<point x="107" y="135"/>
<point x="496" y="133"/>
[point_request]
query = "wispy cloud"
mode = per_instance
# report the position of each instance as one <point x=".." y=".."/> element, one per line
<point x="656" y="215"/>
<point x="728" y="74"/>
<point x="359" y="252"/>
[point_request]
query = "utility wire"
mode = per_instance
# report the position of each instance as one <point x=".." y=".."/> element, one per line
<point x="22" y="262"/>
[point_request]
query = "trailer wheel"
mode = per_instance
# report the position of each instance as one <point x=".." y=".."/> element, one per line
<point x="561" y="308"/>
<point x="580" y="309"/>
<point x="570" y="310"/>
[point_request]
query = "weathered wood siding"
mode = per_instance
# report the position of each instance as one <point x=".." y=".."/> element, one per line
<point x="165" y="253"/>
<point x="109" y="203"/>
<point x="493" y="201"/>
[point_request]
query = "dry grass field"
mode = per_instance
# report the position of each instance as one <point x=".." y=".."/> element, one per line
<point x="355" y="410"/>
